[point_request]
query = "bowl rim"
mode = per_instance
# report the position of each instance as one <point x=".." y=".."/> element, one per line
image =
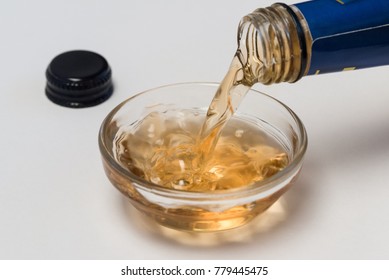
<point x="260" y="186"/>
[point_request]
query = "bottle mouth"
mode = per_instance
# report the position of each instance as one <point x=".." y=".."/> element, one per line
<point x="273" y="44"/>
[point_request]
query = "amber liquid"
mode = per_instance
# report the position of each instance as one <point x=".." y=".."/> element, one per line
<point x="167" y="152"/>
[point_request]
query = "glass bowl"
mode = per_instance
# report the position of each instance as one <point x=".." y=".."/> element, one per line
<point x="203" y="211"/>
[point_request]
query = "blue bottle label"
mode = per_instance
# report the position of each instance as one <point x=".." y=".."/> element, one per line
<point x="347" y="34"/>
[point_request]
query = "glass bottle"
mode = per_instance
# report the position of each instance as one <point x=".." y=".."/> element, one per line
<point x="283" y="43"/>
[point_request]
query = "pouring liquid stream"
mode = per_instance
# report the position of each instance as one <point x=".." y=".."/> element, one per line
<point x="240" y="77"/>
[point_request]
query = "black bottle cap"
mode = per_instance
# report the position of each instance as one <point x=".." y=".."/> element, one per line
<point x="78" y="79"/>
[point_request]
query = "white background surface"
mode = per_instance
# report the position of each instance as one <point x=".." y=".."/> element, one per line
<point x="55" y="201"/>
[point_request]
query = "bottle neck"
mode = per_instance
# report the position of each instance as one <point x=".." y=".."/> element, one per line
<point x="274" y="45"/>
<point x="283" y="43"/>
